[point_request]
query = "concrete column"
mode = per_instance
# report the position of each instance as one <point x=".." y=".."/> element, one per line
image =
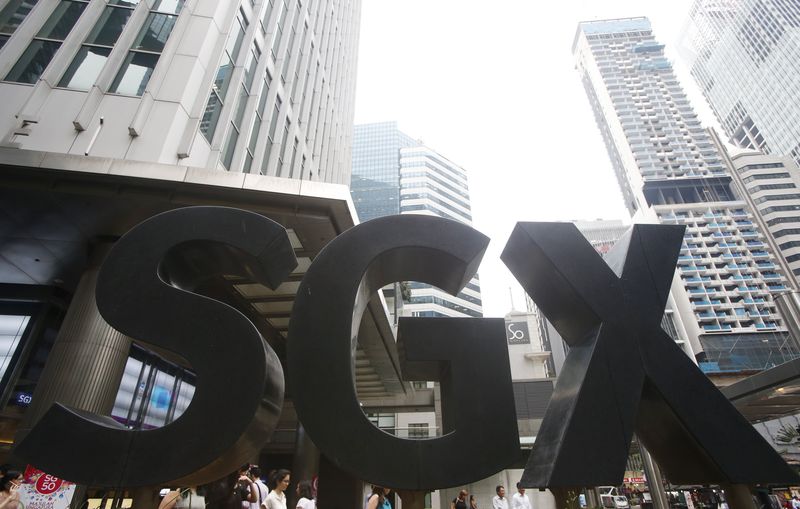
<point x="87" y="361"/>
<point x="739" y="496"/>
<point x="654" y="480"/>
<point x="305" y="464"/>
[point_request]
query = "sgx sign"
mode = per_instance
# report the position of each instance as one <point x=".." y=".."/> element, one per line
<point x="623" y="374"/>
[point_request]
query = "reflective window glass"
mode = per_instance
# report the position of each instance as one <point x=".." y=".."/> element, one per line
<point x="62" y="20"/>
<point x="132" y="78"/>
<point x="3" y="39"/>
<point x="171" y="6"/>
<point x="108" y="28"/>
<point x="33" y="62"/>
<point x="14" y="13"/>
<point x="208" y="124"/>
<point x="124" y="3"/>
<point x="223" y="78"/>
<point x="240" y="106"/>
<point x="85" y="68"/>
<point x="235" y="41"/>
<point x="227" y="155"/>
<point x="155" y="32"/>
<point x="254" y="135"/>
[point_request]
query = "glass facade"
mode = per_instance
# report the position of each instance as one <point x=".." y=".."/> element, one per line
<point x="726" y="40"/>
<point x="395" y="174"/>
<point x="153" y="392"/>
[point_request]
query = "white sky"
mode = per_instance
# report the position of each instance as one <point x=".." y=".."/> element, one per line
<point x="492" y="86"/>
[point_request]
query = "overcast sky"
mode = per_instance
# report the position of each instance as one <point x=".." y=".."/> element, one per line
<point x="493" y="87"/>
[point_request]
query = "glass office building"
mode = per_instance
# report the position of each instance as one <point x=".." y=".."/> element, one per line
<point x="745" y="57"/>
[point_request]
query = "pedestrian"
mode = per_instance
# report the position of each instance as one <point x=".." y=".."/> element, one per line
<point x="261" y="489"/>
<point x="305" y="492"/>
<point x="245" y="487"/>
<point x="379" y="498"/>
<point x="500" y="501"/>
<point x="277" y="497"/>
<point x="9" y="484"/>
<point x="472" y="503"/>
<point x="460" y="502"/>
<point x="520" y="500"/>
<point x="795" y="502"/>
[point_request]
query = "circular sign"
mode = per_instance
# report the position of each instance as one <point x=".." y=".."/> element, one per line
<point x="48" y="484"/>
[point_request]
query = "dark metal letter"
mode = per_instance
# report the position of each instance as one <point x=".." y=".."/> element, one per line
<point x="468" y="356"/>
<point x="239" y="389"/>
<point x="623" y="373"/>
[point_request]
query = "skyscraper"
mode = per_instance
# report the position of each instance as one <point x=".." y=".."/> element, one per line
<point x="394" y="174"/>
<point x="255" y="87"/>
<point x="670" y="172"/>
<point x="745" y="56"/>
<point x="115" y="111"/>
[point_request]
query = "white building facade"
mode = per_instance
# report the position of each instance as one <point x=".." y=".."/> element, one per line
<point x="745" y="57"/>
<point x="670" y="172"/>
<point x="263" y="87"/>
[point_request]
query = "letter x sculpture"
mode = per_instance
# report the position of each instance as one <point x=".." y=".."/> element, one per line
<point x="623" y="373"/>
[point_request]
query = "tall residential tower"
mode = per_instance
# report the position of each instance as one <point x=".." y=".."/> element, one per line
<point x="670" y="172"/>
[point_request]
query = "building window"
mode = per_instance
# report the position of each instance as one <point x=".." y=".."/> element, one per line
<point x="153" y="392"/>
<point x="12" y="16"/>
<point x="219" y="90"/>
<point x="140" y="63"/>
<point x="418" y="430"/>
<point x="40" y="52"/>
<point x="91" y="58"/>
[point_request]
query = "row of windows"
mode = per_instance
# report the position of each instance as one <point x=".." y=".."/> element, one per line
<point x="763" y="199"/>
<point x="765" y="176"/>
<point x="761" y="165"/>
<point x="429" y="299"/>
<point x="780" y="208"/>
<point x="440" y="213"/>
<point x="441" y="203"/>
<point x="787" y="231"/>
<point x="90" y="60"/>
<point x="767" y="187"/>
<point x="439" y="177"/>
<point x="435" y="191"/>
<point x="781" y="220"/>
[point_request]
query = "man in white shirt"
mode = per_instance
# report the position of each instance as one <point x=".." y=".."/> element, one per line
<point x="500" y="501"/>
<point x="261" y="488"/>
<point x="520" y="500"/>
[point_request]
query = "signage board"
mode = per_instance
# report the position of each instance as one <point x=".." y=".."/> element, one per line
<point x="44" y="491"/>
<point x="517" y="333"/>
